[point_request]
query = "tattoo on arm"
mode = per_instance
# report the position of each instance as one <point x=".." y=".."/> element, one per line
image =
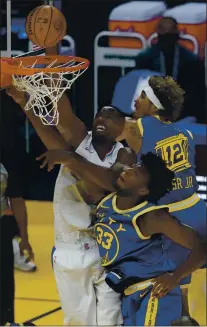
<point x="134" y="131"/>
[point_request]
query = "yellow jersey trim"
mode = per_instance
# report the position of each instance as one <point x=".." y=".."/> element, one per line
<point x="140" y="126"/>
<point x="134" y="220"/>
<point x="164" y="122"/>
<point x="100" y="205"/>
<point x="152" y="306"/>
<point x="139" y="206"/>
<point x="152" y="309"/>
<point x="185" y="204"/>
<point x="138" y="287"/>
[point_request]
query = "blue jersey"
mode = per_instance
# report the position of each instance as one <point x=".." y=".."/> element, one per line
<point x="122" y="245"/>
<point x="176" y="147"/>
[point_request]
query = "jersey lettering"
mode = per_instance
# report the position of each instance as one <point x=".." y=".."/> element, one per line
<point x="107" y="239"/>
<point x="174" y="150"/>
<point x="104" y="238"/>
<point x="178" y="183"/>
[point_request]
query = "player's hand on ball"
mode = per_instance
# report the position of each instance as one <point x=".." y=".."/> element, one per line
<point x="164" y="284"/>
<point x="54" y="157"/>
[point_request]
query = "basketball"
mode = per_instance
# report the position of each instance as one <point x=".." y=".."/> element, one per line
<point x="45" y="26"/>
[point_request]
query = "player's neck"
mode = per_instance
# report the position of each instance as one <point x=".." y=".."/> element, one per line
<point x="102" y="148"/>
<point x="129" y="201"/>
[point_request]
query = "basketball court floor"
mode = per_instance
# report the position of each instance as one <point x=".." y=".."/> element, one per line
<point x="36" y="294"/>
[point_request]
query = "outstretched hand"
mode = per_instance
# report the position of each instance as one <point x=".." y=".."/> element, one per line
<point x="54" y="157"/>
<point x="164" y="284"/>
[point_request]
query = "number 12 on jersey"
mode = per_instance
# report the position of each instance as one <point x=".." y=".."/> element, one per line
<point x="174" y="150"/>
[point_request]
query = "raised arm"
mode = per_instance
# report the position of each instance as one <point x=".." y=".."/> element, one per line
<point x="71" y="127"/>
<point x="103" y="177"/>
<point x="161" y="222"/>
<point x="48" y="134"/>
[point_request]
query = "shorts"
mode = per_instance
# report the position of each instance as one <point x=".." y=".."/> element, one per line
<point x="194" y="217"/>
<point x="139" y="308"/>
<point x="85" y="297"/>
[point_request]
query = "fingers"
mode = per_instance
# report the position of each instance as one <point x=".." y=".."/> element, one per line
<point x="163" y="292"/>
<point x="160" y="288"/>
<point x="50" y="166"/>
<point x="157" y="288"/>
<point x="45" y="162"/>
<point x="42" y="156"/>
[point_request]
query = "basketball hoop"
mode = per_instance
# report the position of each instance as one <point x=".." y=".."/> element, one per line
<point x="44" y="78"/>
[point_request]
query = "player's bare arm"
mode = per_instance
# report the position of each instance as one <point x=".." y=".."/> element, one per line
<point x="71" y="127"/>
<point x="161" y="222"/>
<point x="48" y="134"/>
<point x="132" y="134"/>
<point x="103" y="177"/>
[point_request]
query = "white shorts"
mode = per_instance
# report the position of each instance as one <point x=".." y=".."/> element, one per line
<point x="85" y="297"/>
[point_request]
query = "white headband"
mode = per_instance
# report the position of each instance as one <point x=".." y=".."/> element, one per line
<point x="150" y="94"/>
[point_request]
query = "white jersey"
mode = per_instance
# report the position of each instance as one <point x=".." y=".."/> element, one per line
<point x="71" y="213"/>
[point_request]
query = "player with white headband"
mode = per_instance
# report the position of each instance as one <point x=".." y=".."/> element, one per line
<point x="153" y="130"/>
<point x="152" y="97"/>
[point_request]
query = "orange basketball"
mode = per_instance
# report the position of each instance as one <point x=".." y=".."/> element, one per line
<point x="45" y="26"/>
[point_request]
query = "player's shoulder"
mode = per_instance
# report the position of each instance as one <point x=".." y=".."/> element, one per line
<point x="149" y="119"/>
<point x="156" y="211"/>
<point x="145" y="124"/>
<point x="183" y="130"/>
<point x="155" y="214"/>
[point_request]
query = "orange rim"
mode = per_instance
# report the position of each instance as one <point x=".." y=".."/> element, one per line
<point x="11" y="66"/>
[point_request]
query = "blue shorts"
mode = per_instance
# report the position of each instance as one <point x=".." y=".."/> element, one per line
<point x="139" y="308"/>
<point x="194" y="217"/>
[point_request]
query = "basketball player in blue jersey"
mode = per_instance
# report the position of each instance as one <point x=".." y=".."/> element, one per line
<point x="159" y="105"/>
<point x="129" y="227"/>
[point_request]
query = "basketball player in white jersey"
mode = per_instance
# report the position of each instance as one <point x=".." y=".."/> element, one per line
<point x="84" y="295"/>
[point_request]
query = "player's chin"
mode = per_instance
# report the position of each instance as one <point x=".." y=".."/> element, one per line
<point x="120" y="183"/>
<point x="99" y="134"/>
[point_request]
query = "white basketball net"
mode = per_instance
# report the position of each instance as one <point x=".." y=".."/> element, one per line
<point x="45" y="89"/>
